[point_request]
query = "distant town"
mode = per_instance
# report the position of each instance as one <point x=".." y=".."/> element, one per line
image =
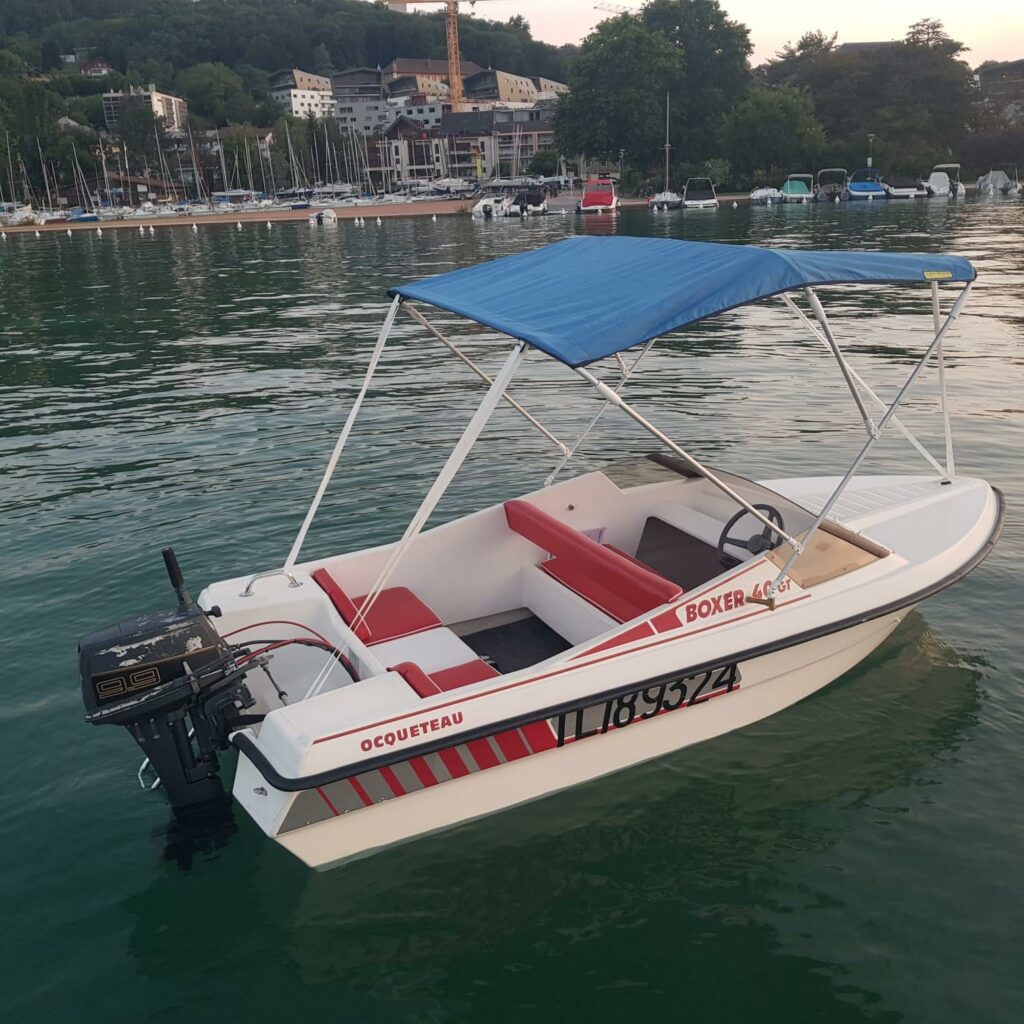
<point x="98" y="124"/>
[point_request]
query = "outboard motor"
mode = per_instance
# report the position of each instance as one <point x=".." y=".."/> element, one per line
<point x="173" y="683"/>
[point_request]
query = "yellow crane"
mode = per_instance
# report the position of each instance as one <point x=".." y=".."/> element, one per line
<point x="455" y="90"/>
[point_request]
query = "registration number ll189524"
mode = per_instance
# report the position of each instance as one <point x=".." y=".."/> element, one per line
<point x="645" y="703"/>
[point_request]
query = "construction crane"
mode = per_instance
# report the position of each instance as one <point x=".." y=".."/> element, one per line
<point x="455" y="90"/>
<point x="616" y="9"/>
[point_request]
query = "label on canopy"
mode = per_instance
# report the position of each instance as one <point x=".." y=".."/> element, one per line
<point x="938" y="275"/>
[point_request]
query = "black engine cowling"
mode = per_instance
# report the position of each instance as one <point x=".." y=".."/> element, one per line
<point x="173" y="683"/>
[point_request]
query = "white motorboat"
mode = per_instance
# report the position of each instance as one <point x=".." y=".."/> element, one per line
<point x="13" y="214"/>
<point x="383" y="694"/>
<point x="866" y="185"/>
<point x="599" y="196"/>
<point x="798" y="188"/>
<point x="320" y="217"/>
<point x="667" y="200"/>
<point x="699" y="194"/>
<point x="999" y="182"/>
<point x="905" y="188"/>
<point x="528" y="202"/>
<point x="494" y="205"/>
<point x="957" y="189"/>
<point x="831" y="185"/>
<point x="937" y="185"/>
<point x="765" y="195"/>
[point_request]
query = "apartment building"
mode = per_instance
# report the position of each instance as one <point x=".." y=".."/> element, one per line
<point x="301" y="93"/>
<point x="171" y="109"/>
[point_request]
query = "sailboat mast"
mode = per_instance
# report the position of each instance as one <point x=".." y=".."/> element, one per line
<point x="667" y="146"/>
<point x="46" y="177"/>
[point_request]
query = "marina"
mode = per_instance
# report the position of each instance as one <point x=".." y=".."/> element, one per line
<point x="185" y="389"/>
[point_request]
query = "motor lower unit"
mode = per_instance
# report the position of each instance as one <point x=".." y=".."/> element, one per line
<point x="174" y="684"/>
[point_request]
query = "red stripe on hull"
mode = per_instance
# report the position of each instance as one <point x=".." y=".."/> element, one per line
<point x="538" y="736"/>
<point x="361" y="793"/>
<point x="452" y="760"/>
<point x="327" y="800"/>
<point x="389" y="776"/>
<point x="423" y="772"/>
<point x="511" y="745"/>
<point x="482" y="753"/>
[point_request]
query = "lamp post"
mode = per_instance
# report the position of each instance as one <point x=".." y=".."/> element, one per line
<point x="871" y="149"/>
<point x="622" y="154"/>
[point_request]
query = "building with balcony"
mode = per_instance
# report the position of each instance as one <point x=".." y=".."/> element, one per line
<point x="172" y="110"/>
<point x="301" y="93"/>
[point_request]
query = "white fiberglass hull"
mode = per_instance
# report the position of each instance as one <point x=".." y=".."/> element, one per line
<point x="766" y="685"/>
<point x="330" y="778"/>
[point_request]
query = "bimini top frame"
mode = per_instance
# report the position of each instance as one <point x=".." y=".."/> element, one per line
<point x="595" y="297"/>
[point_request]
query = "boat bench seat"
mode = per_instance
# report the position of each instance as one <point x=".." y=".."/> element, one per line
<point x="606" y="577"/>
<point x="396" y="612"/>
<point x="427" y="685"/>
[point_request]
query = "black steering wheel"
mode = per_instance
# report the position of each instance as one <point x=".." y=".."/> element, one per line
<point x="757" y="543"/>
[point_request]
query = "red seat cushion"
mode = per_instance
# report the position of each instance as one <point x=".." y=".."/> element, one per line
<point x="610" y="601"/>
<point x="445" y="679"/>
<point x="603" y="575"/>
<point x="343" y="604"/>
<point x="396" y="612"/>
<point x="462" y="675"/>
<point x="416" y="678"/>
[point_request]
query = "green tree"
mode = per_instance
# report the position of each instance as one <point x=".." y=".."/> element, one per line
<point x="916" y="97"/>
<point x="544" y="162"/>
<point x="715" y="72"/>
<point x="772" y="132"/>
<point x="323" y="63"/>
<point x="214" y="92"/>
<point x="142" y="132"/>
<point x="610" y="106"/>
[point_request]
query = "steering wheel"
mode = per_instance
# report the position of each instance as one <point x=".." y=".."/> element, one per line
<point x="757" y="543"/>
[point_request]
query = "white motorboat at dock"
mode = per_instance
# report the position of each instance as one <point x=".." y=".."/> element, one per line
<point x="383" y="694"/>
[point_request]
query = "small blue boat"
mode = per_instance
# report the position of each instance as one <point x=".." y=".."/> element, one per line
<point x="866" y="184"/>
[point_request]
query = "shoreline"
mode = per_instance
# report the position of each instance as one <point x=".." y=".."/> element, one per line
<point x="434" y="207"/>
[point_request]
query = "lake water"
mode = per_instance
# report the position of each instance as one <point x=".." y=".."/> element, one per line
<point x="856" y="858"/>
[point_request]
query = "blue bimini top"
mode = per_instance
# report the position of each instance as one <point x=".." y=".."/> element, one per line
<point x="585" y="298"/>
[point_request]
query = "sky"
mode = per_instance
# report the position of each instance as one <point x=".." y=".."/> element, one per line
<point x="995" y="34"/>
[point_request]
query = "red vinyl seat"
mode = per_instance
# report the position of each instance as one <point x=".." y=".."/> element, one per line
<point x="445" y="679"/>
<point x="609" y="579"/>
<point x="396" y="612"/>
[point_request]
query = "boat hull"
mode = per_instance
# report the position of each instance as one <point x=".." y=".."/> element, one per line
<point x="587" y="746"/>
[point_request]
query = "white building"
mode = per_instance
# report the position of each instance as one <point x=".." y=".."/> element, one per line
<point x="301" y="93"/>
<point x="372" y="116"/>
<point x="172" y="109"/>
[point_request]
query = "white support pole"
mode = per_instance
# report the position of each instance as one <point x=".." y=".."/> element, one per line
<point x="339" y="445"/>
<point x="616" y="400"/>
<point x="883" y="423"/>
<point x="444" y="478"/>
<point x="830" y="341"/>
<point x="448" y="343"/>
<point x="627" y="372"/>
<point x="936" y="319"/>
<point x="896" y="421"/>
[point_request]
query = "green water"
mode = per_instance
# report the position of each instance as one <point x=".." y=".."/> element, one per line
<point x="854" y="858"/>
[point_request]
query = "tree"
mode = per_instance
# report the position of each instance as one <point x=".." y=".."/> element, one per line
<point x="610" y="104"/>
<point x="323" y="64"/>
<point x="715" y="74"/>
<point x="916" y="96"/>
<point x="772" y="130"/>
<point x="141" y="131"/>
<point x="215" y="92"/>
<point x="544" y="162"/>
<point x="931" y="34"/>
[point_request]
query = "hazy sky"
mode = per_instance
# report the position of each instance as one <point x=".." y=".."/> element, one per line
<point x="992" y="31"/>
